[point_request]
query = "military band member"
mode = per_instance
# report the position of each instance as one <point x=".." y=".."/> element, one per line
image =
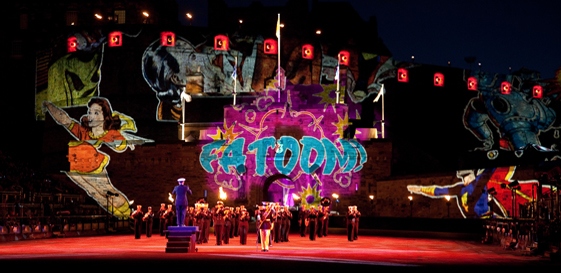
<point x="312" y="222"/>
<point x="326" y="221"/>
<point x="277" y="226"/>
<point x="137" y="216"/>
<point x="227" y="225"/>
<point x="320" y="221"/>
<point x="162" y="223"/>
<point x="357" y="220"/>
<point x="149" y="219"/>
<point x="351" y="219"/>
<point x="218" y="218"/>
<point x="168" y="216"/>
<point x="237" y="214"/>
<point x="243" y="226"/>
<point x="287" y="222"/>
<point x="200" y="219"/>
<point x="266" y="218"/>
<point x="302" y="218"/>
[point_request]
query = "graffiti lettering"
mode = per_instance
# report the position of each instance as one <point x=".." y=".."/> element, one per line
<point x="324" y="150"/>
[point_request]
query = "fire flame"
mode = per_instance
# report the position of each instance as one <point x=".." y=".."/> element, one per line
<point x="222" y="194"/>
<point x="170" y="198"/>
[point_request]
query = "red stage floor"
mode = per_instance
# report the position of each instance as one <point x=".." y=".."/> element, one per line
<point x="333" y="252"/>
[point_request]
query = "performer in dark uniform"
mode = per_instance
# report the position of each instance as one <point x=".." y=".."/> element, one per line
<point x="312" y="219"/>
<point x="218" y="218"/>
<point x="168" y="216"/>
<point x="149" y="219"/>
<point x="326" y="221"/>
<point x="137" y="216"/>
<point x="237" y="214"/>
<point x="190" y="217"/>
<point x="357" y="219"/>
<point x="258" y="212"/>
<point x="208" y="219"/>
<point x="200" y="219"/>
<point x="244" y="226"/>
<point x="350" y="223"/>
<point x="287" y="222"/>
<point x="181" y="201"/>
<point x="302" y="219"/>
<point x="320" y="220"/>
<point x="161" y="218"/>
<point x="227" y="225"/>
<point x="277" y="226"/>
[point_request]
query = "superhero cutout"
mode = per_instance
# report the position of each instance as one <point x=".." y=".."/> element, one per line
<point x="101" y="126"/>
<point x="471" y="194"/>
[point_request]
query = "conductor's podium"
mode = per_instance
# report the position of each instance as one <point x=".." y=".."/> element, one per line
<point x="182" y="239"/>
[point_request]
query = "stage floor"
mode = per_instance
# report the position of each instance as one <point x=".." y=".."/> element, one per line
<point x="334" y="252"/>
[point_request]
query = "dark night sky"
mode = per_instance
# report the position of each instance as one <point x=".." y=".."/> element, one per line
<point x="500" y="34"/>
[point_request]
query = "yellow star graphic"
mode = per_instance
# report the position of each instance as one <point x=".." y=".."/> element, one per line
<point x="228" y="135"/>
<point x="341" y="125"/>
<point x="326" y="98"/>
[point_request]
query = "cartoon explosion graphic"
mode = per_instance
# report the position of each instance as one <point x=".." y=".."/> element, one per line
<point x="228" y="134"/>
<point x="310" y="197"/>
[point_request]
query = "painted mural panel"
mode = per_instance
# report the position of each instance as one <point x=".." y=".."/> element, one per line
<point x="101" y="126"/>
<point x="302" y="144"/>
<point x="72" y="78"/>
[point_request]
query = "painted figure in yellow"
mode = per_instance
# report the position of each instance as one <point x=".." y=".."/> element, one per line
<point x="87" y="163"/>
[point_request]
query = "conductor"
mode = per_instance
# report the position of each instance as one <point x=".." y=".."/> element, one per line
<point x="181" y="201"/>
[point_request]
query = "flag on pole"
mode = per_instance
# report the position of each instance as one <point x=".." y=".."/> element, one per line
<point x="234" y="74"/>
<point x="337" y="73"/>
<point x="278" y="27"/>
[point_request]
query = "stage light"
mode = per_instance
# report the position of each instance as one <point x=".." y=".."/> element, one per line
<point x="308" y="52"/>
<point x="537" y="92"/>
<point x="447" y="197"/>
<point x="506" y="88"/>
<point x="71" y="44"/>
<point x="336" y="196"/>
<point x="221" y="43"/>
<point x="344" y="58"/>
<point x="168" y="38"/>
<point x="402" y="75"/>
<point x="514" y="185"/>
<point x="270" y="46"/>
<point x="410" y="198"/>
<point x="438" y="79"/>
<point x="115" y="39"/>
<point x="472" y="83"/>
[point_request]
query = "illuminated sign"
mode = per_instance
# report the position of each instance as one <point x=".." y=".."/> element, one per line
<point x="308" y="52"/>
<point x="221" y="43"/>
<point x="537" y="92"/>
<point x="168" y="38"/>
<point x="506" y="88"/>
<point x="270" y="46"/>
<point x="472" y="84"/>
<point x="115" y="39"/>
<point x="438" y="79"/>
<point x="71" y="44"/>
<point x="344" y="58"/>
<point x="402" y="75"/>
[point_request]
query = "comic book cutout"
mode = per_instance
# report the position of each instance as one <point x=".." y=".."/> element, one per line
<point x="101" y="126"/>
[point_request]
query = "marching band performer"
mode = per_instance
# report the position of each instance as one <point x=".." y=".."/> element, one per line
<point x="287" y="218"/>
<point x="200" y="219"/>
<point x="351" y="219"/>
<point x="302" y="219"/>
<point x="137" y="216"/>
<point x="265" y="226"/>
<point x="218" y="218"/>
<point x="149" y="219"/>
<point x="168" y="216"/>
<point x="326" y="221"/>
<point x="312" y="219"/>
<point x="244" y="226"/>
<point x="277" y="226"/>
<point x="357" y="219"/>
<point x="162" y="219"/>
